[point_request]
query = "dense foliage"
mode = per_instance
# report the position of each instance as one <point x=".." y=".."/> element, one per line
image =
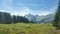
<point x="6" y="18"/>
<point x="57" y="17"/>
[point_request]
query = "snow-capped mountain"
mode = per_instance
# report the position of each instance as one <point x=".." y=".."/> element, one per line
<point x="30" y="17"/>
<point x="40" y="19"/>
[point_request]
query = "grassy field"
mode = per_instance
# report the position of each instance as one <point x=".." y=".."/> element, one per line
<point x="22" y="28"/>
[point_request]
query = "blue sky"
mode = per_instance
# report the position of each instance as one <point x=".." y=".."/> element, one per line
<point x="23" y="7"/>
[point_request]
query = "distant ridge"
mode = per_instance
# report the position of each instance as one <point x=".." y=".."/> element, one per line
<point x="40" y="19"/>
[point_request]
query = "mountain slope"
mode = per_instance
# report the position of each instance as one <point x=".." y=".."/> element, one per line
<point x="40" y="19"/>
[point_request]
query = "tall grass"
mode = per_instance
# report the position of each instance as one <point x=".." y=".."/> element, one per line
<point x="22" y="28"/>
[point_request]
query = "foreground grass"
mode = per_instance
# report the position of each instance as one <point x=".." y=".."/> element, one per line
<point x="22" y="28"/>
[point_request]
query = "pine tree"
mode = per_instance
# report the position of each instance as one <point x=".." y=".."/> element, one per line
<point x="18" y="18"/>
<point x="22" y="19"/>
<point x="0" y="17"/>
<point x="57" y="17"/>
<point x="14" y="19"/>
<point x="7" y="18"/>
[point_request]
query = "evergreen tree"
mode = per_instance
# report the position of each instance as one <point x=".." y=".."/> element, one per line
<point x="7" y="18"/>
<point x="0" y="17"/>
<point x="57" y="17"/>
<point x="18" y="18"/>
<point x="14" y="19"/>
<point x="22" y="19"/>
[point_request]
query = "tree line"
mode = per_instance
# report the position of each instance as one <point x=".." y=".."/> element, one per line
<point x="6" y="18"/>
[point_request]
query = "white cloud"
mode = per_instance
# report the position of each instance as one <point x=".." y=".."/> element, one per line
<point x="20" y="12"/>
<point x="25" y="11"/>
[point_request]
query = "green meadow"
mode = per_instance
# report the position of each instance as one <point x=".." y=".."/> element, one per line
<point x="23" y="28"/>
